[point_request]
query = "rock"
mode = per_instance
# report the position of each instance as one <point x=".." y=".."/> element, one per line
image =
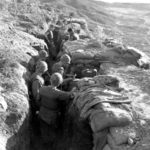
<point x="121" y="135"/>
<point x="130" y="141"/>
<point x="113" y="145"/>
<point x="3" y="105"/>
<point x="110" y="117"/>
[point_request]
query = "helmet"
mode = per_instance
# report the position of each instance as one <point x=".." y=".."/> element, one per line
<point x="56" y="79"/>
<point x="43" y="54"/>
<point x="65" y="59"/>
<point x="41" y="66"/>
<point x="61" y="70"/>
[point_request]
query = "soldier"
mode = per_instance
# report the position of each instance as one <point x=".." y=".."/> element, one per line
<point x="64" y="62"/>
<point x="64" y="39"/>
<point x="63" y="67"/>
<point x="58" y="37"/>
<point x="49" y="112"/>
<point x="33" y="61"/>
<point x="50" y="38"/>
<point x="36" y="83"/>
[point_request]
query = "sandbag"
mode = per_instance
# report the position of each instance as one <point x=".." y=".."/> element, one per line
<point x="129" y="59"/>
<point x="121" y="135"/>
<point x="106" y="80"/>
<point x="82" y="61"/>
<point x="109" y="117"/>
<point x="113" y="145"/>
<point x="110" y="55"/>
<point x="71" y="46"/>
<point x="92" y="93"/>
<point x="81" y="54"/>
<point x="94" y="43"/>
<point x="100" y="139"/>
<point x="107" y="147"/>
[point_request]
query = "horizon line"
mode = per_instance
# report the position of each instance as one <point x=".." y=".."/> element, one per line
<point x="126" y="1"/>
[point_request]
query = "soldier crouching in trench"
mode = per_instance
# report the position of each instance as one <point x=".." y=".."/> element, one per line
<point x="50" y="109"/>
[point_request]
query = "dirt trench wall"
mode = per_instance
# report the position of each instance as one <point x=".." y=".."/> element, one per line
<point x="14" y="125"/>
<point x="14" y="111"/>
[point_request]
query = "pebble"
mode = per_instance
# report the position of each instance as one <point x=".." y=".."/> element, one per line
<point x="130" y="141"/>
<point x="3" y="104"/>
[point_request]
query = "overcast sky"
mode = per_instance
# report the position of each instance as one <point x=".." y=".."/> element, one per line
<point x="128" y="1"/>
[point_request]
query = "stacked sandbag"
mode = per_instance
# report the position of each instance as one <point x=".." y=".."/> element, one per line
<point x="87" y="46"/>
<point x="93" y="91"/>
<point x="83" y="54"/>
<point x="119" y="55"/>
<point x="93" y="52"/>
<point x="101" y="105"/>
<point x="71" y="46"/>
<point x="125" y="55"/>
<point x="82" y="51"/>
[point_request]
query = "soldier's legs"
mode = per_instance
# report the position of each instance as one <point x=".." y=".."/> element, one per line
<point x="48" y="134"/>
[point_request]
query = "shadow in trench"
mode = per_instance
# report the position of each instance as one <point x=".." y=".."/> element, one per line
<point x="72" y="134"/>
<point x="21" y="139"/>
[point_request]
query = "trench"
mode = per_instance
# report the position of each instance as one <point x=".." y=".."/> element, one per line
<point x="72" y="132"/>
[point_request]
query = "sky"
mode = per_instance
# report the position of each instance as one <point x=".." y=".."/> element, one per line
<point x="128" y="1"/>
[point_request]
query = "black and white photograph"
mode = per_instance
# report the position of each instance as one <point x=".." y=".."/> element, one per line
<point x="74" y="74"/>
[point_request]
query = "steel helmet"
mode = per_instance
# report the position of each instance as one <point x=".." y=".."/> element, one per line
<point x="43" y="54"/>
<point x="41" y="66"/>
<point x="65" y="59"/>
<point x="56" y="79"/>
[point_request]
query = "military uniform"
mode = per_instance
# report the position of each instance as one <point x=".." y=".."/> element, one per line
<point x="32" y="63"/>
<point x="36" y="83"/>
<point x="49" y="39"/>
<point x="56" y="67"/>
<point x="50" y="111"/>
